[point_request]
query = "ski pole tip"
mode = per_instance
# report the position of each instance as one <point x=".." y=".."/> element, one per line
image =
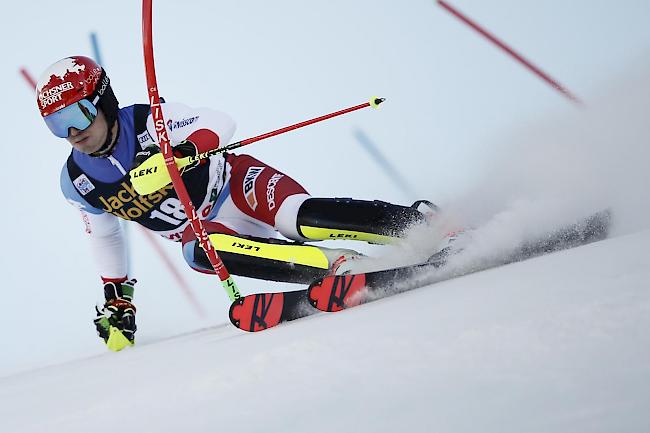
<point x="375" y="101"/>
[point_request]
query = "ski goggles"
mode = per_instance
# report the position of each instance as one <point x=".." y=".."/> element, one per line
<point x="79" y="115"/>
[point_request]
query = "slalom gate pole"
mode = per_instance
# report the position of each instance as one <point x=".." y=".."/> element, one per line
<point x="95" y="44"/>
<point x="387" y="167"/>
<point x="182" y="283"/>
<point x="166" y="148"/>
<point x="28" y="77"/>
<point x="518" y="57"/>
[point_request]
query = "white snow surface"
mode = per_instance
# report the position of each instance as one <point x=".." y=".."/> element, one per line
<point x="554" y="344"/>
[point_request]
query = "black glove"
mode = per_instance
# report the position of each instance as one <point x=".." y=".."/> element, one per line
<point x="118" y="311"/>
<point x="145" y="154"/>
<point x="187" y="148"/>
<point x="181" y="150"/>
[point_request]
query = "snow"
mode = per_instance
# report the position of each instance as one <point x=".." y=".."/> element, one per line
<point x="557" y="343"/>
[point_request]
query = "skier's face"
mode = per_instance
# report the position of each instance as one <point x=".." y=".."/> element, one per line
<point x="92" y="138"/>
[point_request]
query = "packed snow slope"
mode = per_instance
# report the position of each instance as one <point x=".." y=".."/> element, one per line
<point x="463" y="122"/>
<point x="554" y="344"/>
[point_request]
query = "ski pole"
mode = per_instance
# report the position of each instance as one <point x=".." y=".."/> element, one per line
<point x="374" y="102"/>
<point x="148" y="177"/>
<point x="166" y="148"/>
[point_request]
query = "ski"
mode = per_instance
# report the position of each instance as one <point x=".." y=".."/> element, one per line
<point x="337" y="292"/>
<point x="260" y="311"/>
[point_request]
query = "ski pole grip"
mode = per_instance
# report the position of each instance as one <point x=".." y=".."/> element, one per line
<point x="375" y="101"/>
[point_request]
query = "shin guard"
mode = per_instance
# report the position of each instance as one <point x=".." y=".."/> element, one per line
<point x="266" y="259"/>
<point x="345" y="218"/>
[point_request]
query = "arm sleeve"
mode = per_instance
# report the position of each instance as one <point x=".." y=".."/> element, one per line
<point x="108" y="245"/>
<point x="208" y="129"/>
<point x="107" y="241"/>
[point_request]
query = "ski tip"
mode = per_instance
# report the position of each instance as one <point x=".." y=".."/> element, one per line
<point x="375" y="101"/>
<point x="257" y="312"/>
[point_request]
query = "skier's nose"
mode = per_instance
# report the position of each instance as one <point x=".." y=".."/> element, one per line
<point x="72" y="131"/>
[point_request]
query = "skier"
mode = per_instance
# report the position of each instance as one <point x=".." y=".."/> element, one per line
<point x="243" y="202"/>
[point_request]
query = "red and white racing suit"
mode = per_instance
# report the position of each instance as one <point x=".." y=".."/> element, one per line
<point x="233" y="194"/>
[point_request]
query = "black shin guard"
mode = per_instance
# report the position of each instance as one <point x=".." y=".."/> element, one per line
<point x="345" y="218"/>
<point x="263" y="269"/>
<point x="267" y="259"/>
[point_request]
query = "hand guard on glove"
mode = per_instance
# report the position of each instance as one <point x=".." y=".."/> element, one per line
<point x="150" y="174"/>
<point x="117" y="316"/>
<point x="181" y="150"/>
<point x="145" y="154"/>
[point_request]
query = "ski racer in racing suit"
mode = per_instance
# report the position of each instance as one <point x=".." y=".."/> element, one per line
<point x="243" y="202"/>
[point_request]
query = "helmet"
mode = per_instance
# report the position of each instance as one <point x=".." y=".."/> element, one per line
<point x="69" y="93"/>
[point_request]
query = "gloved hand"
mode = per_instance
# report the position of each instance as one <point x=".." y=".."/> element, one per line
<point x="115" y="321"/>
<point x="145" y="154"/>
<point x="181" y="150"/>
<point x="149" y="173"/>
<point x="187" y="148"/>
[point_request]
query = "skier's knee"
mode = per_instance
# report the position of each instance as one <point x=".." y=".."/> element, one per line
<point x="287" y="216"/>
<point x="198" y="263"/>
